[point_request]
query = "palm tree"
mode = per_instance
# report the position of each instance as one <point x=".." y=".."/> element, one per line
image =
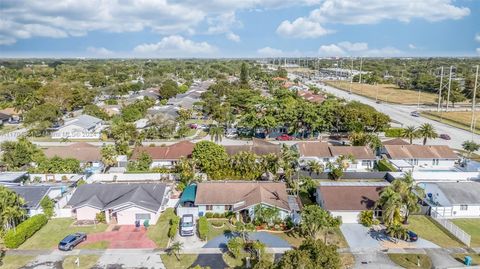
<point x="109" y="156"/>
<point x="175" y="249"/>
<point x="314" y="167"/>
<point x="270" y="163"/>
<point x="397" y="231"/>
<point x="391" y="203"/>
<point x="412" y="192"/>
<point x="425" y="131"/>
<point x="216" y="133"/>
<point x="411" y="133"/>
<point x="470" y="147"/>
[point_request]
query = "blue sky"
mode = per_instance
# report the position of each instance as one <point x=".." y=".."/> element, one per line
<point x="239" y="28"/>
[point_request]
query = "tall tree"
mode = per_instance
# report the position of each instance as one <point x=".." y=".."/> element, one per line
<point x="315" y="220"/>
<point x="427" y="131"/>
<point x="470" y="147"/>
<point x="411" y="133"/>
<point x="109" y="156"/>
<point x="216" y="133"/>
<point x="11" y="208"/>
<point x="244" y="74"/>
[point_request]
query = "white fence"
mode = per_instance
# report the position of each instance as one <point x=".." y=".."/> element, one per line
<point x="451" y="227"/>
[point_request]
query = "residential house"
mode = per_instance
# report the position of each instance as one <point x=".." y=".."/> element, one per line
<point x="421" y="157"/>
<point x="5" y="118"/>
<point x="122" y="203"/>
<point x="348" y="199"/>
<point x="259" y="147"/>
<point x="81" y="127"/>
<point x="12" y="178"/>
<point x="90" y="156"/>
<point x="311" y="96"/>
<point x="239" y="197"/>
<point x="12" y="113"/>
<point x="166" y="156"/>
<point x="33" y="195"/>
<point x="453" y="199"/>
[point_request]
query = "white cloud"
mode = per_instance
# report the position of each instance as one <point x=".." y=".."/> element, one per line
<point x="412" y="46"/>
<point x="360" y="46"/>
<point x="478" y="51"/>
<point x="99" y="51"/>
<point x="301" y="28"/>
<point x="477" y="37"/>
<point x="331" y="50"/>
<point x="175" y="46"/>
<point x="383" y="52"/>
<point x="269" y="52"/>
<point x="233" y="37"/>
<point x="355" y="12"/>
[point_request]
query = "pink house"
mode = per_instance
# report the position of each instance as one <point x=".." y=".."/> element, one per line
<point x="122" y="203"/>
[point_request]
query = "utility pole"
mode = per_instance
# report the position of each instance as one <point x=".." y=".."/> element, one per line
<point x="449" y="85"/>
<point x="440" y="90"/>
<point x="351" y="76"/>
<point x="472" y="124"/>
<point x="418" y="101"/>
<point x="361" y="64"/>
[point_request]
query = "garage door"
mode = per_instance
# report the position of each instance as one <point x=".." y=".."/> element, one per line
<point x="347" y="217"/>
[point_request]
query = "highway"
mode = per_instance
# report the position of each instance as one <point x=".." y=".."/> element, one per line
<point x="401" y="114"/>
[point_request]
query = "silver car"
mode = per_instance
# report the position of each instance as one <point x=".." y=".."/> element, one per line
<point x="70" y="241"/>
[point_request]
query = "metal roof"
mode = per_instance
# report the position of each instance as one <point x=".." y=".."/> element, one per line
<point x="189" y="193"/>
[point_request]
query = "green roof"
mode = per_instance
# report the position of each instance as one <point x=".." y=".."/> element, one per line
<point x="188" y="194"/>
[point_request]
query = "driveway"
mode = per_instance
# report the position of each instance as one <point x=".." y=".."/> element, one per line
<point x="374" y="260"/>
<point x="123" y="236"/>
<point x="442" y="259"/>
<point x="130" y="259"/>
<point x="189" y="242"/>
<point x="360" y="238"/>
<point x="270" y="240"/>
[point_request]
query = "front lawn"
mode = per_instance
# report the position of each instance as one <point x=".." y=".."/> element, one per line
<point x="85" y="261"/>
<point x="158" y="233"/>
<point x="411" y="260"/>
<point x="214" y="231"/>
<point x="185" y="261"/>
<point x="472" y="227"/>
<point x="428" y="229"/>
<point x="461" y="257"/>
<point x="55" y="230"/>
<point x="14" y="261"/>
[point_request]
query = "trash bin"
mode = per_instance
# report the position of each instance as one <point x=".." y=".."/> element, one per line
<point x="137" y="224"/>
<point x="468" y="260"/>
<point x="146" y="223"/>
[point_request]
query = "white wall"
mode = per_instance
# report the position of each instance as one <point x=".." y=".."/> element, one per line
<point x="119" y="177"/>
<point x="422" y="176"/>
<point x="473" y="211"/>
<point x="428" y="164"/>
<point x="86" y="213"/>
<point x="347" y="216"/>
<point x="127" y="216"/>
<point x="56" y="177"/>
<point x="161" y="164"/>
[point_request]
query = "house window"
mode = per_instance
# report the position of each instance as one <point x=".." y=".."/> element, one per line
<point x="228" y="208"/>
<point x="142" y="216"/>
<point x="209" y="207"/>
<point x="435" y="161"/>
<point x="366" y="163"/>
<point x="463" y="207"/>
<point x="326" y="160"/>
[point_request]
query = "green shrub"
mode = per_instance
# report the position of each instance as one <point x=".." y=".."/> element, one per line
<point x="202" y="228"/>
<point x="209" y="215"/>
<point x="100" y="217"/>
<point x="14" y="238"/>
<point x="384" y="165"/>
<point x="394" y="132"/>
<point x="235" y="246"/>
<point x="48" y="206"/>
<point x="366" y="218"/>
<point x="174" y="222"/>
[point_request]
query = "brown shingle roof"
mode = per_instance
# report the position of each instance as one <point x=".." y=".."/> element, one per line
<point x="358" y="152"/>
<point x="172" y="152"/>
<point x="349" y="197"/>
<point x="82" y="151"/>
<point x="420" y="152"/>
<point x="251" y="193"/>
<point x="317" y="149"/>
<point x="395" y="141"/>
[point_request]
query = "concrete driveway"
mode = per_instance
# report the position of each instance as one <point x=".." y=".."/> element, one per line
<point x="374" y="260"/>
<point x="189" y="242"/>
<point x="442" y="259"/>
<point x="130" y="259"/>
<point x="270" y="240"/>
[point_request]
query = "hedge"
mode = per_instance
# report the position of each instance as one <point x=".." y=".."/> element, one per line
<point x="394" y="132"/>
<point x="15" y="237"/>
<point x="202" y="228"/>
<point x="385" y="166"/>
<point x="174" y="222"/>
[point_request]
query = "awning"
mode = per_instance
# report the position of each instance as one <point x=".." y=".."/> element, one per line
<point x="189" y="193"/>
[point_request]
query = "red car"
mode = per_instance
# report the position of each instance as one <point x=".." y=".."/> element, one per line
<point x="445" y="136"/>
<point x="284" y="137"/>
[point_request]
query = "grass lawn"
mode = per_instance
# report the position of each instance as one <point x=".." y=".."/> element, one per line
<point x="55" y="230"/>
<point x="214" y="231"/>
<point x="95" y="245"/>
<point x="472" y="227"/>
<point x="427" y="229"/>
<point x="158" y="233"/>
<point x="411" y="260"/>
<point x="86" y="261"/>
<point x="171" y="262"/>
<point x="461" y="257"/>
<point x="459" y="119"/>
<point x="15" y="261"/>
<point x="386" y="92"/>
<point x="347" y="259"/>
<point x="234" y="262"/>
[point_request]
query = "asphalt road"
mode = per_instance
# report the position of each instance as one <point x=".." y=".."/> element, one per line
<point x="401" y="114"/>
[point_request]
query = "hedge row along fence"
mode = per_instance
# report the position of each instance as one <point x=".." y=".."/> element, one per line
<point x="202" y="228"/>
<point x="174" y="222"/>
<point x="25" y="230"/>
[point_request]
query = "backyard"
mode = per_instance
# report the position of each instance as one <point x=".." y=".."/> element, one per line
<point x="55" y="230"/>
<point x="426" y="228"/>
<point x="472" y="227"/>
<point x="385" y="92"/>
<point x="460" y="119"/>
<point x="158" y="233"/>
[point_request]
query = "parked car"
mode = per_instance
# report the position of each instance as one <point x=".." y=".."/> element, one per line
<point x="284" y="137"/>
<point x="414" y="114"/>
<point x="193" y="126"/>
<point x="187" y="225"/>
<point x="412" y="237"/>
<point x="445" y="136"/>
<point x="72" y="240"/>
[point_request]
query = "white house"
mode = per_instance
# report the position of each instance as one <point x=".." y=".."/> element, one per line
<point x="347" y="199"/>
<point x="166" y="156"/>
<point x="420" y="157"/>
<point x="81" y="127"/>
<point x="453" y="199"/>
<point x="122" y="203"/>
<point x="33" y="195"/>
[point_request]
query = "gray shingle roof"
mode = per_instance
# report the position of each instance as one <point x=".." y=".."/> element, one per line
<point x="461" y="192"/>
<point x="105" y="196"/>
<point x="84" y="121"/>
<point x="32" y="194"/>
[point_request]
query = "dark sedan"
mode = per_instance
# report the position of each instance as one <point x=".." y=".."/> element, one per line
<point x="412" y="237"/>
<point x="70" y="241"/>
